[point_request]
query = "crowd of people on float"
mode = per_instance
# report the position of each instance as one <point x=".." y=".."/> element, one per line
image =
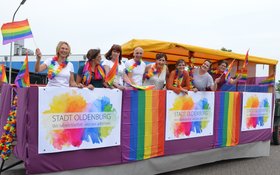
<point x="134" y="71"/>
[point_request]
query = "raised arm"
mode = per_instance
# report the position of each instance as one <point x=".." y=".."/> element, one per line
<point x="38" y="67"/>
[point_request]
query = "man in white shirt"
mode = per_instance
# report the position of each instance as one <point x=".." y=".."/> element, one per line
<point x="136" y="67"/>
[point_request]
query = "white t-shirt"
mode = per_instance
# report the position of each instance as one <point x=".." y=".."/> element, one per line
<point x="158" y="80"/>
<point x="121" y="71"/>
<point x="201" y="82"/>
<point x="63" y="77"/>
<point x="137" y="72"/>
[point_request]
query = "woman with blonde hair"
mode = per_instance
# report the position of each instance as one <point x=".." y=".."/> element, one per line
<point x="60" y="70"/>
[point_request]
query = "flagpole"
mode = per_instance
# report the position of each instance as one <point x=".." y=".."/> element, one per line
<point x="11" y="47"/>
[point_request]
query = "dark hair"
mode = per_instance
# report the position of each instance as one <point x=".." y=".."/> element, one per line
<point x="92" y="54"/>
<point x="161" y="55"/>
<point x="222" y="62"/>
<point x="117" y="48"/>
<point x="180" y="61"/>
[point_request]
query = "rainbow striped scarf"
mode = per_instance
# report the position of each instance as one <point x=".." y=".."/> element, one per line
<point x="51" y="72"/>
<point x="152" y="71"/>
<point x="87" y="73"/>
<point x="130" y="68"/>
<point x="112" y="73"/>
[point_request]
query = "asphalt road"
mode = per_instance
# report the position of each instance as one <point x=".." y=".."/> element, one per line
<point x="251" y="166"/>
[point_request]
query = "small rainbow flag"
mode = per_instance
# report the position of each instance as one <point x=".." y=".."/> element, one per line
<point x="246" y="61"/>
<point x="269" y="81"/>
<point x="15" y="31"/>
<point x="22" y="79"/>
<point x="244" y="75"/>
<point x="143" y="124"/>
<point x="127" y="81"/>
<point x="112" y="73"/>
<point x="3" y="75"/>
<point x="227" y="117"/>
<point x="227" y="71"/>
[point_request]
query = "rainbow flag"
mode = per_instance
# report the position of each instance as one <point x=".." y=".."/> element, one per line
<point x="3" y="75"/>
<point x="227" y="118"/>
<point x="113" y="72"/>
<point x="143" y="124"/>
<point x="269" y="81"/>
<point x="127" y="81"/>
<point x="246" y="61"/>
<point x="244" y="75"/>
<point x="227" y="71"/>
<point x="22" y="79"/>
<point x="15" y="31"/>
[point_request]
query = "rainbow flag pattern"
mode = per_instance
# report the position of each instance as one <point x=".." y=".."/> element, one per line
<point x="23" y="79"/>
<point x="269" y="81"/>
<point x="3" y="75"/>
<point x="227" y="118"/>
<point x="112" y="73"/>
<point x="246" y="61"/>
<point x="244" y="75"/>
<point x="227" y="71"/>
<point x="143" y="124"/>
<point x="15" y="31"/>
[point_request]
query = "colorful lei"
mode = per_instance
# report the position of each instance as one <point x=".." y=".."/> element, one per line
<point x="51" y="72"/>
<point x="9" y="134"/>
<point x="152" y="71"/>
<point x="130" y="68"/>
<point x="178" y="79"/>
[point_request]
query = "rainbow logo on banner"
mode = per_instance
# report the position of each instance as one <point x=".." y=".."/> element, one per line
<point x="228" y="116"/>
<point x="186" y="103"/>
<point x="68" y="103"/>
<point x="256" y="115"/>
<point x="15" y="31"/>
<point x="143" y="124"/>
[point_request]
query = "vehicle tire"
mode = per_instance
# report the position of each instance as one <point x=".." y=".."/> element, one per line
<point x="276" y="132"/>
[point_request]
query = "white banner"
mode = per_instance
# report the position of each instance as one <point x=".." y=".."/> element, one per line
<point x="256" y="112"/>
<point x="73" y="119"/>
<point x="189" y="115"/>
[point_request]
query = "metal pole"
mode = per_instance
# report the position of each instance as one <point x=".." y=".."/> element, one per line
<point x="11" y="47"/>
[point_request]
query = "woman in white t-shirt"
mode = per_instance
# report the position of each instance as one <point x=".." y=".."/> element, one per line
<point x="115" y="53"/>
<point x="60" y="70"/>
<point x="157" y="73"/>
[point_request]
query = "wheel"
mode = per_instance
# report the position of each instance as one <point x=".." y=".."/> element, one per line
<point x="276" y="132"/>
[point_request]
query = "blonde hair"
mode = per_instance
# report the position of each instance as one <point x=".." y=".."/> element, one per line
<point x="59" y="46"/>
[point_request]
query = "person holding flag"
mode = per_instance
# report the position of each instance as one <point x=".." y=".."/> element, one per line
<point x="114" y="68"/>
<point x="220" y="74"/>
<point x="60" y="70"/>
